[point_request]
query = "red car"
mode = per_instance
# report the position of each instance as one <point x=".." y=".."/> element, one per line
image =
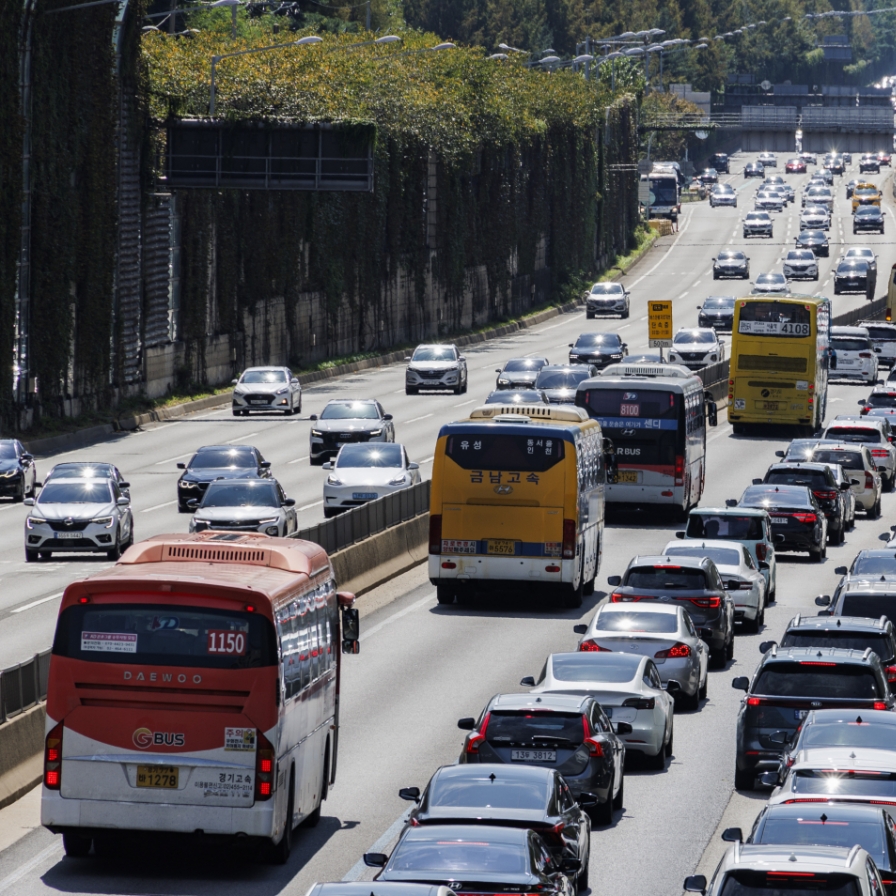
<point x="884" y="158"/>
<point x="795" y="166"/>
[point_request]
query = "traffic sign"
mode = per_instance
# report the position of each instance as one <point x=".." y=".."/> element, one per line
<point x="659" y="323"/>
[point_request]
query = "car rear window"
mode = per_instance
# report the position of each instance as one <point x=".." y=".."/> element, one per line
<point x="594" y="667"/>
<point x="881" y="400"/>
<point x="814" y="832"/>
<point x="850" y="734"/>
<point x="640" y="621"/>
<point x="821" y="678"/>
<point x="737" y="528"/>
<point x="845" y="783"/>
<point x="871" y="605"/>
<point x="851" y="345"/>
<point x="812" y="478"/>
<point x="771" y="883"/>
<point x="527" y="727"/>
<point x="488" y="791"/>
<point x="849" y="460"/>
<point x="879" y="643"/>
<point x="667" y="577"/>
<point x="464" y="857"/>
<point x="719" y="556"/>
<point x="854" y="434"/>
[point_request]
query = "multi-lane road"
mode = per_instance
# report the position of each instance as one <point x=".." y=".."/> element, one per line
<point x="423" y="666"/>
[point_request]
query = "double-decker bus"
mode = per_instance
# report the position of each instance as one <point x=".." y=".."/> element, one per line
<point x="194" y="687"/>
<point x="517" y="499"/>
<point x="780" y="353"/>
<point x="656" y="416"/>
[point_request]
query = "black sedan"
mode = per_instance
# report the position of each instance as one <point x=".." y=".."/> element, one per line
<point x="716" y="312"/>
<point x="599" y="349"/>
<point x="754" y="169"/>
<point x="516" y="396"/>
<point x="795" y="514"/>
<point x="475" y="859"/>
<point x="868" y="217"/>
<point x="851" y="275"/>
<point x="731" y="263"/>
<point x="520" y="796"/>
<point x="18" y="471"/>
<point x="519" y="373"/>
<point x="218" y="462"/>
<point x="816" y="240"/>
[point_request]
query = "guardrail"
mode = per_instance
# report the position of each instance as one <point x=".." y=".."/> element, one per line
<point x="24" y="685"/>
<point x="361" y="522"/>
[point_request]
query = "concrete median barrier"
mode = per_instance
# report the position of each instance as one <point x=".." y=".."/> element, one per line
<point x="21" y="754"/>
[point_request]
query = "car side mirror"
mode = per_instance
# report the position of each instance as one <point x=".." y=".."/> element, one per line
<point x="123" y="501"/>
<point x="757" y="482"/>
<point x="181" y="466"/>
<point x="387" y="416"/>
<point x="498" y="370"/>
<point x="411" y="794"/>
<point x="120" y="484"/>
<point x="733" y="835"/>
<point x="696" y="883"/>
<point x="623" y="728"/>
<point x="193" y="503"/>
<point x="730" y="502"/>
<point x="461" y="357"/>
<point x="527" y="681"/>
<point x="28" y="502"/>
<point x="570" y="345"/>
<point x="854" y="482"/>
<point x="265" y="465"/>
<point x="780" y="454"/>
<point x="27" y="456"/>
<point x="766" y="646"/>
<point x="673" y="687"/>
<point x="741" y="683"/>
<point x="407" y="360"/>
<point x="328" y="465"/>
<point x="781" y="738"/>
<point x="841" y="570"/>
<point x="570" y="866"/>
<point x="587" y="800"/>
<point x="375" y="859"/>
<point x="289" y="502"/>
<point x="295" y="379"/>
<point x="764" y="564"/>
<point x="845" y="486"/>
<point x="580" y="629"/>
<point x="234" y="382"/>
<point x="313" y="417"/>
<point x="41" y="485"/>
<point x="615" y="581"/>
<point x="769" y="779"/>
<point x="861" y="402"/>
<point x="823" y="600"/>
<point x="413" y="466"/>
<point x="467" y="724"/>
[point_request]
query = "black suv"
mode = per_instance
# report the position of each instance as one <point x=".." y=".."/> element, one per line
<point x="787" y="684"/>
<point x="720" y="162"/>
<point x="218" y="462"/>
<point x="695" y="583"/>
<point x="599" y="349"/>
<point x="820" y="479"/>
<point x="795" y="514"/>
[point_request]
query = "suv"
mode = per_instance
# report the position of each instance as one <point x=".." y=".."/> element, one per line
<point x="870" y="597"/>
<point x="266" y="389"/>
<point x="853" y="355"/>
<point x="859" y="465"/>
<point x="696" y="347"/>
<point x="213" y="462"/>
<point x="883" y="340"/>
<point x="820" y="478"/>
<point x="758" y="224"/>
<point x="795" y="514"/>
<point x="345" y="421"/>
<point x="873" y="432"/>
<point x="869" y="162"/>
<point x="787" y="683"/>
<point x="720" y="162"/>
<point x="695" y="583"/>
<point x="607" y="298"/>
<point x="436" y="367"/>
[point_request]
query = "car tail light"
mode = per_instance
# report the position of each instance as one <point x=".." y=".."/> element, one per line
<point x="815" y="663"/>
<point x="707" y="603"/>
<point x="805" y="517"/>
<point x="754" y="701"/>
<point x="676" y="651"/>
<point x="865" y="355"/>
<point x="879" y="704"/>
<point x="594" y="748"/>
<point x="435" y="533"/>
<point x="53" y="758"/>
<point x="477" y="737"/>
<point x="891" y="673"/>
<point x="640" y="702"/>
<point x="569" y="539"/>
<point x="869" y="481"/>
<point x="864" y="410"/>
<point x="762" y="551"/>
<point x="880" y="452"/>
<point x="265" y="760"/>
<point x="825" y="496"/>
<point x="618" y="598"/>
<point x="593" y="647"/>
<point x="679" y="469"/>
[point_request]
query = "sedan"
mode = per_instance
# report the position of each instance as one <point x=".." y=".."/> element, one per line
<point x="78" y="515"/>
<point x="768" y="159"/>
<point x="800" y="264"/>
<point x="245" y="505"/>
<point x="267" y="389"/>
<point x="850" y="187"/>
<point x="795" y="514"/>
<point x="599" y="349"/>
<point x="628" y="688"/>
<point x="809" y="158"/>
<point x="815" y="217"/>
<point x="18" y="472"/>
<point x="519" y="373"/>
<point x="344" y="421"/>
<point x="516" y="396"/>
<point x="773" y="284"/>
<point x="754" y="169"/>
<point x="607" y="298"/>
<point x="769" y="200"/>
<point x="868" y="217"/>
<point x="816" y="240"/>
<point x="697" y="348"/>
<point x="518" y="796"/>
<point x="865" y="254"/>
<point x="884" y="158"/>
<point x="218" y="462"/>
<point x="664" y="633"/>
<point x="81" y="469"/>
<point x="363" y="473"/>
<point x="716" y="312"/>
<point x="559" y="382"/>
<point x="851" y="276"/>
<point x="498" y="859"/>
<point x="795" y="166"/>
<point x="731" y="263"/>
<point x="723" y="194"/>
<point x="758" y="224"/>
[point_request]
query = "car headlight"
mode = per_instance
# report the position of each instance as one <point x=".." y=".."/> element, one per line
<point x="334" y="480"/>
<point x="10" y="473"/>
<point x="375" y="432"/>
<point x="201" y="522"/>
<point x="33" y="521"/>
<point x="282" y="391"/>
<point x="713" y="357"/>
<point x="182" y="484"/>
<point x="106" y="521"/>
<point x="502" y="381"/>
<point x="399" y="480"/>
<point x="267" y="522"/>
<point x="316" y="432"/>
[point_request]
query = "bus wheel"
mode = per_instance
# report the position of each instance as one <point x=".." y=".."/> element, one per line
<point x="738" y="429"/>
<point x="76" y="846"/>
<point x="279" y="852"/>
<point x="313" y="818"/>
<point x="572" y="596"/>
<point x="445" y="594"/>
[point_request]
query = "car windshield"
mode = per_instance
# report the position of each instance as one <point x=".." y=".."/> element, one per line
<point x="451" y="857"/>
<point x="561" y="379"/>
<point x="264" y="376"/>
<point x="869" y="605"/>
<point x="882" y="400"/>
<point x="759" y="217"/>
<point x="637" y="621"/>
<point x="800" y="255"/>
<point x="731" y="256"/>
<point x="817" y="679"/>
<point x="723" y="302"/>
<point x="526" y="727"/>
<point x="594" y="667"/>
<point x="852" y="267"/>
<point x="812" y="235"/>
<point x="737" y="528"/>
<point x="860" y="253"/>
<point x="816" y="832"/>
<point x="521" y="364"/>
<point x="7" y="451"/>
<point x="607" y="289"/>
<point x="879" y="642"/>
<point x="854" y="434"/>
<point x="801" y="449"/>
<point x="243" y="493"/>
<point x="63" y="492"/>
<point x="771" y="279"/>
<point x="350" y="410"/>
<point x="719" y="556"/>
<point x="221" y="458"/>
<point x="849" y="460"/>
<point x="435" y="353"/>
<point x="881" y="785"/>
<point x="381" y="455"/>
<point x="857" y="734"/>
<point x="867" y="212"/>
<point x="490" y="791"/>
<point x="702" y="337"/>
<point x="82" y="471"/>
<point x="611" y="340"/>
<point x="666" y="577"/>
<point x="767" y="883"/>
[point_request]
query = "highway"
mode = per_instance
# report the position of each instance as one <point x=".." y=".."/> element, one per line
<point x="422" y="666"/>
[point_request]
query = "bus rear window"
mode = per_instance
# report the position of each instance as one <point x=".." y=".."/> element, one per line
<point x="775" y="319"/>
<point x="165" y="635"/>
<point x="656" y="405"/>
<point x="526" y="454"/>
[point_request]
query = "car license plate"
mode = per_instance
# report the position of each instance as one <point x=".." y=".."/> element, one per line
<point x="533" y="755"/>
<point x="258" y="401"/>
<point x="68" y="534"/>
<point x="364" y="496"/>
<point x="800" y="714"/>
<point x="504" y="546"/>
<point x="164" y="777"/>
<point x="767" y="405"/>
<point x="628" y="476"/>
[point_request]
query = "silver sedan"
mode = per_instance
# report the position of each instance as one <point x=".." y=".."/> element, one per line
<point x="664" y="633"/>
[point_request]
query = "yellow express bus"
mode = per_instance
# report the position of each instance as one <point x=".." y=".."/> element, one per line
<point x="517" y="501"/>
<point x="779" y="361"/>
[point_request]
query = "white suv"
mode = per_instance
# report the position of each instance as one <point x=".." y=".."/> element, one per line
<point x="859" y="466"/>
<point x="436" y="367"/>
<point x="853" y="354"/>
<point x="875" y="434"/>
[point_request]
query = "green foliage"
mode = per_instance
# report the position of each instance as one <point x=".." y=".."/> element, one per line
<point x="667" y="144"/>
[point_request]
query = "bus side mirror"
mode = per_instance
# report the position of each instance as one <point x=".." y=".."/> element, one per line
<point x="351" y="630"/>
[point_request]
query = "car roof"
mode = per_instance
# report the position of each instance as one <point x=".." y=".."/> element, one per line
<point x="436" y="345"/>
<point x="265" y="367"/>
<point x="834" y="811"/>
<point x="818" y="859"/>
<point x="86" y="480"/>
<point x="799" y="464"/>
<point x="352" y="401"/>
<point x="495" y="770"/>
<point x="224" y="448"/>
<point x="548" y="701"/>
<point x="829" y="655"/>
<point x="726" y="543"/>
<point x="612" y="658"/>
<point x="850" y="623"/>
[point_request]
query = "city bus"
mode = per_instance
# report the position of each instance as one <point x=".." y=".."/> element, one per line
<point x="779" y="361"/>
<point x="194" y="688"/>
<point x="517" y="501"/>
<point x="656" y="416"/>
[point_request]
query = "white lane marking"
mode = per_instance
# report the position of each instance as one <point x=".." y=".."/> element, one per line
<point x="309" y="506"/>
<point x="398" y="392"/>
<point x="298" y="460"/>
<point x="428" y="460"/>
<point x="37" y="603"/>
<point x="159" y="506"/>
<point x="388" y="836"/>
<point x="463" y="404"/>
<point x="240" y="438"/>
<point x="625" y="327"/>
<point x="644" y="318"/>
<point x="22" y="870"/>
<point x="415" y="419"/>
<point x="159" y="463"/>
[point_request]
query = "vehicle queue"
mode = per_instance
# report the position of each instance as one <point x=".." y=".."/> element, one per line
<point x="626" y="696"/>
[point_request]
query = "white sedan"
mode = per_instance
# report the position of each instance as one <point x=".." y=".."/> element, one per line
<point x="815" y="217"/>
<point x="660" y="631"/>
<point x="739" y="572"/>
<point x="363" y="473"/>
<point x="629" y="690"/>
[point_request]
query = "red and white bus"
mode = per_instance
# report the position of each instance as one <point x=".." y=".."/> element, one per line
<point x="194" y="688"/>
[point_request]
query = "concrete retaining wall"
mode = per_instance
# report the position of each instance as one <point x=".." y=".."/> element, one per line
<point x="21" y="754"/>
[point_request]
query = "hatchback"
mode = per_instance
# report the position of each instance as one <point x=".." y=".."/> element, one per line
<point x="795" y="514"/>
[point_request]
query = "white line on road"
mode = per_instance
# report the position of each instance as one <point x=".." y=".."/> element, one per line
<point x="644" y="318"/>
<point x="36" y="603"/>
<point x="309" y="506"/>
<point x="388" y="836"/>
<point x="684" y="294"/>
<point x="625" y="326"/>
<point x="159" y="506"/>
<point x="170" y="459"/>
<point x="428" y="460"/>
<point x="398" y="392"/>
<point x="298" y="460"/>
<point x="464" y="403"/>
<point x="43" y="855"/>
<point x="415" y="419"/>
<point x="240" y="438"/>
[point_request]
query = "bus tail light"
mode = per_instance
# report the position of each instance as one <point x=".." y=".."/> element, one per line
<point x="435" y="533"/>
<point x="679" y="469"/>
<point x="477" y="737"/>
<point x="53" y="758"/>
<point x="569" y="539"/>
<point x="590" y="646"/>
<point x="265" y="761"/>
<point x="676" y="651"/>
<point x="761" y="552"/>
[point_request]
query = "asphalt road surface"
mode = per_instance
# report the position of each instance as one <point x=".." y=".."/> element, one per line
<point x="422" y="666"/>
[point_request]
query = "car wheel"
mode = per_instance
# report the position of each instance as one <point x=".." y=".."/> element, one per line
<point x="582" y="879"/>
<point x="237" y="413"/>
<point x="115" y="553"/>
<point x="619" y="799"/>
<point x="816" y="555"/>
<point x="30" y="556"/>
<point x="411" y="390"/>
<point x="890" y="483"/>
<point x="729" y="648"/>
<point x="874" y="514"/>
<point x="19" y="496"/>
<point x="182" y="508"/>
<point x="715" y="276"/>
<point x="704" y="687"/>
<point x="744" y="780"/>
<point x="316" y="461"/>
<point x="688" y="702"/>
<point x="626" y="313"/>
<point x="445" y="594"/>
<point x="76" y="846"/>
<point x="718" y="659"/>
<point x="657" y="762"/>
<point x="330" y="512"/>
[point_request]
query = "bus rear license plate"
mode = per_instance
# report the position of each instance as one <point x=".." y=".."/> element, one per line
<point x="533" y="755"/>
<point x="628" y="476"/>
<point x="504" y="546"/>
<point x="164" y="777"/>
<point x="364" y="496"/>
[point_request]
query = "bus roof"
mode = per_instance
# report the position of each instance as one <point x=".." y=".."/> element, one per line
<point x="566" y="421"/>
<point x="790" y="297"/>
<point x="228" y="564"/>
<point x="666" y="377"/>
